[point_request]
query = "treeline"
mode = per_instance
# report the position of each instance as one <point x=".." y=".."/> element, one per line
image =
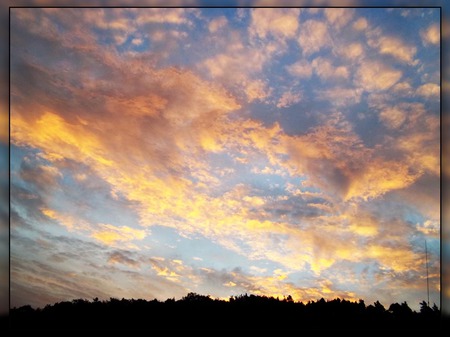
<point x="243" y="312"/>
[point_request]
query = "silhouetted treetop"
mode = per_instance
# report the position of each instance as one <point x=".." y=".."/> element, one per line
<point x="241" y="312"/>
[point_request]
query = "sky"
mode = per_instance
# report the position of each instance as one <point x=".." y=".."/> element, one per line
<point x="156" y="152"/>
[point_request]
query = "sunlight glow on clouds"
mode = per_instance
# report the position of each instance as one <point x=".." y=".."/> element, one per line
<point x="287" y="156"/>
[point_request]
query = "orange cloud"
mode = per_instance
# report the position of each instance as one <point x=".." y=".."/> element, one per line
<point x="353" y="51"/>
<point x="226" y="67"/>
<point x="164" y="15"/>
<point x="431" y="35"/>
<point x="360" y="24"/>
<point x="4" y="124"/>
<point x="273" y="286"/>
<point x="393" y="117"/>
<point x="66" y="220"/>
<point x="300" y="69"/>
<point x="52" y="133"/>
<point x="403" y="88"/>
<point x="399" y="259"/>
<point x="279" y="22"/>
<point x="325" y="70"/>
<point x="374" y="76"/>
<point x="288" y="98"/>
<point x="339" y="17"/>
<point x="379" y="177"/>
<point x="430" y="90"/>
<point x="397" y="48"/>
<point x="217" y="24"/>
<point x="313" y="36"/>
<point x="431" y="228"/>
<point x="256" y="90"/>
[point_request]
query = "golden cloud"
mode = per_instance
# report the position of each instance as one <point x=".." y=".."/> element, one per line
<point x="111" y="235"/>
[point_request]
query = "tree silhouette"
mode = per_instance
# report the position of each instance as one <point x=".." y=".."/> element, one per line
<point x="240" y="313"/>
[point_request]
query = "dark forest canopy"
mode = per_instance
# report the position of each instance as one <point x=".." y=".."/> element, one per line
<point x="243" y="312"/>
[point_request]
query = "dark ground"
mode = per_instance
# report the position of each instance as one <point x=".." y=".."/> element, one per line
<point x="241" y="313"/>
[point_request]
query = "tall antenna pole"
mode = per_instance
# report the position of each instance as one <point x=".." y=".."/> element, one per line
<point x="426" y="262"/>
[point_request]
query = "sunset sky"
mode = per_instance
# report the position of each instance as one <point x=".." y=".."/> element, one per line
<point x="277" y="152"/>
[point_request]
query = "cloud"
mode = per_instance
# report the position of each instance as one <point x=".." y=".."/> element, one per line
<point x="123" y="257"/>
<point x="177" y="16"/>
<point x="424" y="155"/>
<point x="274" y="284"/>
<point x="282" y="23"/>
<point x="360" y="24"/>
<point x="431" y="35"/>
<point x="288" y="98"/>
<point x="302" y="69"/>
<point x="256" y="90"/>
<point x="353" y="50"/>
<point x="403" y="88"/>
<point x="339" y="17"/>
<point x="65" y="220"/>
<point x="217" y="24"/>
<point x="431" y="228"/>
<point x="322" y="152"/>
<point x="137" y="41"/>
<point x="393" y="117"/>
<point x="313" y="36"/>
<point x="43" y="177"/>
<point x="107" y="20"/>
<point x="4" y="126"/>
<point x="325" y="70"/>
<point x="52" y="130"/>
<point x="39" y="284"/>
<point x="376" y="76"/>
<point x="107" y="234"/>
<point x="397" y="48"/>
<point x="88" y="271"/>
<point x="182" y="148"/>
<point x="226" y="67"/>
<point x="333" y="157"/>
<point x="111" y="235"/>
<point x="379" y="177"/>
<point x="340" y="96"/>
<point x="429" y="90"/>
